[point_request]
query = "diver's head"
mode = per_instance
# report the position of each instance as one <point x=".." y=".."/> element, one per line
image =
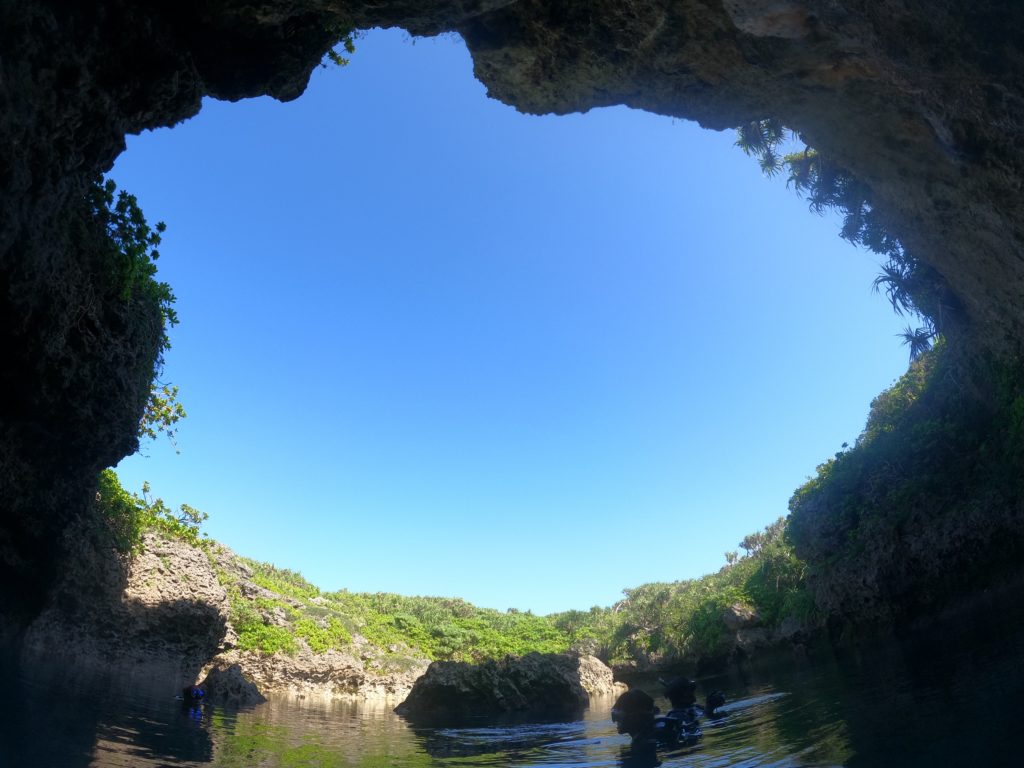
<point x="681" y="691"/>
<point x="633" y="712"/>
<point x="715" y="700"/>
<point x="193" y="693"/>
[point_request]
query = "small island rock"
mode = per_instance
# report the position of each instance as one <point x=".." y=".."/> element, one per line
<point x="544" y="686"/>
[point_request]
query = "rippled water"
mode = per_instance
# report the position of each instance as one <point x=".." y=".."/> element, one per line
<point x="880" y="707"/>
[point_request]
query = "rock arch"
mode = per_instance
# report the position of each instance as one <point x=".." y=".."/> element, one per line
<point x="920" y="99"/>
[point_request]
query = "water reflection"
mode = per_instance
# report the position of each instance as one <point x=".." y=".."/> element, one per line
<point x="145" y="738"/>
<point x="511" y="740"/>
<point x="893" y="705"/>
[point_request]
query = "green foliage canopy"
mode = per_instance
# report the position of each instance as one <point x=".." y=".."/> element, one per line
<point x="129" y="515"/>
<point x="683" y="620"/>
<point x="132" y="249"/>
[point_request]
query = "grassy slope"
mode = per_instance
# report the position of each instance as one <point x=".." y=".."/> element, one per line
<point x="656" y="622"/>
<point x="432" y="627"/>
<point x="276" y="610"/>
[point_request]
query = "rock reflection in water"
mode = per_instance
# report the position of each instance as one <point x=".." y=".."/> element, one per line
<point x="311" y="731"/>
<point x="58" y="715"/>
<point x="509" y="740"/>
<point x="897" y="704"/>
<point x="141" y="738"/>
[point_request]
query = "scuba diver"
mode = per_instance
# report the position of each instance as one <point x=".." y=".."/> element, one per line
<point x="192" y="694"/>
<point x="634" y="713"/>
<point x="681" y="692"/>
<point x="191" y="698"/>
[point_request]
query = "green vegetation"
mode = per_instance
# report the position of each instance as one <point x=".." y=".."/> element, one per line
<point x="443" y="628"/>
<point x="129" y="515"/>
<point x="255" y="633"/>
<point x="281" y="580"/>
<point x="346" y="37"/>
<point x="163" y="412"/>
<point x="668" y="622"/>
<point x="120" y="511"/>
<point x="320" y="637"/>
<point x="132" y="251"/>
<point x="924" y="505"/>
<point x="684" y="620"/>
<point x="132" y="255"/>
<point x="431" y="627"/>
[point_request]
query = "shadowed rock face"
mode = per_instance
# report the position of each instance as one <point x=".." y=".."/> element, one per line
<point x="537" y="685"/>
<point x="920" y="99"/>
<point x="164" y="610"/>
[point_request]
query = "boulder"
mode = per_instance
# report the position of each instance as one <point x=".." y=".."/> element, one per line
<point x="740" y="616"/>
<point x="534" y="686"/>
<point x="229" y="685"/>
<point x="333" y="674"/>
<point x="792" y="629"/>
<point x="749" y="640"/>
<point x="597" y="678"/>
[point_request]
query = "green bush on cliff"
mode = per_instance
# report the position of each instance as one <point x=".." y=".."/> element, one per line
<point x="402" y="627"/>
<point x="133" y="251"/>
<point x="254" y="634"/>
<point x="323" y="637"/>
<point x="128" y="515"/>
<point x="447" y="629"/>
<point x="132" y="255"/>
<point x="121" y="512"/>
<point x="281" y="580"/>
<point x="346" y="37"/>
<point x="655" y="621"/>
<point x="896" y="523"/>
<point x="667" y="622"/>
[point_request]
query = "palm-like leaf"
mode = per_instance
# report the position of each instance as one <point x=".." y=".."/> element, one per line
<point x="918" y="339"/>
<point x="895" y="285"/>
<point x="910" y="288"/>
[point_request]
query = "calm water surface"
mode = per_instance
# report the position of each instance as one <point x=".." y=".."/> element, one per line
<point x="895" y="706"/>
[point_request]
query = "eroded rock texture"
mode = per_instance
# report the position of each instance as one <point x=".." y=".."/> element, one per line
<point x="920" y="99"/>
<point x="541" y="685"/>
<point x="164" y="612"/>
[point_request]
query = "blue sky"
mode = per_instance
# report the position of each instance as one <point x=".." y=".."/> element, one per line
<point x="430" y="345"/>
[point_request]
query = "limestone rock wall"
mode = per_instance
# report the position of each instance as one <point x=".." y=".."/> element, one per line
<point x="164" y="614"/>
<point x="534" y="685"/>
<point x="326" y="676"/>
<point x="162" y="610"/>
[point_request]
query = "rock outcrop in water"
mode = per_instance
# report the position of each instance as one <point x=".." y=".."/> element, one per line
<point x="922" y="100"/>
<point x="539" y="686"/>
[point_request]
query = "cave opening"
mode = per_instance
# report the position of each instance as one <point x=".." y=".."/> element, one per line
<point x="415" y="321"/>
